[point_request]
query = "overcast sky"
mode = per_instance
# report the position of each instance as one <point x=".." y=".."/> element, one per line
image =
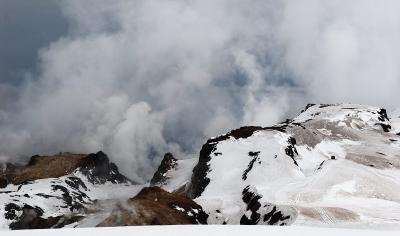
<point x="25" y="27"/>
<point x="139" y="78"/>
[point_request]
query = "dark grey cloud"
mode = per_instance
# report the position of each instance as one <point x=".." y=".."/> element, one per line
<point x="25" y="27"/>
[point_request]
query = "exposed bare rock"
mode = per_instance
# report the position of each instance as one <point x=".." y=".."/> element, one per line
<point x="98" y="169"/>
<point x="168" y="163"/>
<point x="32" y="218"/>
<point x="41" y="167"/>
<point x="154" y="206"/>
<point x="95" y="166"/>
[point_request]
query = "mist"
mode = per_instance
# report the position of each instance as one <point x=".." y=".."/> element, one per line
<point x="138" y="78"/>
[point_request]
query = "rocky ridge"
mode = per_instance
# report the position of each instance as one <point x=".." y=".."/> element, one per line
<point x="334" y="165"/>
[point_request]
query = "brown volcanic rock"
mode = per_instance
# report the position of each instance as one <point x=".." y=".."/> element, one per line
<point x="155" y="206"/>
<point x="41" y="167"/>
<point x="95" y="166"/>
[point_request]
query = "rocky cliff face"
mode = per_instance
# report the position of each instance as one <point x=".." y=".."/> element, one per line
<point x="336" y="165"/>
<point x="168" y="163"/>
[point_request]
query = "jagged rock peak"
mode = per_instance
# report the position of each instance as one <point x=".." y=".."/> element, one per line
<point x="160" y="176"/>
<point x="98" y="169"/>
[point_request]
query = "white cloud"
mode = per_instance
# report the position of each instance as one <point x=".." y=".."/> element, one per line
<point x="139" y="78"/>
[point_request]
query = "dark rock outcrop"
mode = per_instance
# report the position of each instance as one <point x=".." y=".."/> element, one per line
<point x="268" y="213"/>
<point x="98" y="169"/>
<point x="31" y="218"/>
<point x="255" y="158"/>
<point x="159" y="178"/>
<point x="252" y="201"/>
<point x="291" y="150"/>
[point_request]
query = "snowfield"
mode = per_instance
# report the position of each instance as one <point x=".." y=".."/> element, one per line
<point x="333" y="165"/>
<point x="194" y="230"/>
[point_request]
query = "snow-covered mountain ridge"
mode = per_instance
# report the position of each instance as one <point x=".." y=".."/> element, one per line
<point x="333" y="165"/>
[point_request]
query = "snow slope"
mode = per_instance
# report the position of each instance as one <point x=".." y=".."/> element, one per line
<point x="173" y="174"/>
<point x="180" y="175"/>
<point x="395" y="120"/>
<point x="194" y="230"/>
<point x="336" y="165"/>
